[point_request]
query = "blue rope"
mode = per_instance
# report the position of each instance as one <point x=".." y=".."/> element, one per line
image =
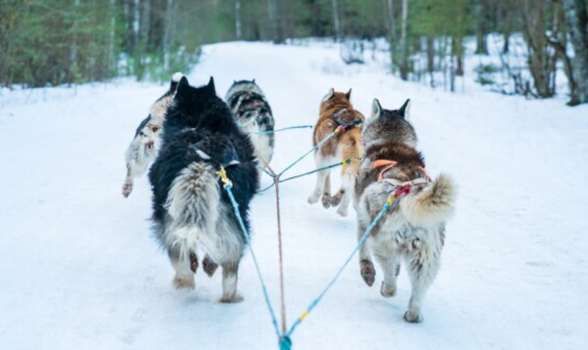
<point x="348" y="160"/>
<point x="283" y="129"/>
<point x="265" y="171"/>
<point x="228" y="187"/>
<point x="362" y="240"/>
<point x="318" y="145"/>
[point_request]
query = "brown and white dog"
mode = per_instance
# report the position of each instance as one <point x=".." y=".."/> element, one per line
<point x="336" y="111"/>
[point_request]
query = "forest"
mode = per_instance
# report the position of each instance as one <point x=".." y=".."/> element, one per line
<point x="54" y="42"/>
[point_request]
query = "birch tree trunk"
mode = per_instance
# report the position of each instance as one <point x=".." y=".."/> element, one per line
<point x="166" y="38"/>
<point x="238" y="19"/>
<point x="336" y="22"/>
<point x="392" y="33"/>
<point x="403" y="42"/>
<point x="576" y="17"/>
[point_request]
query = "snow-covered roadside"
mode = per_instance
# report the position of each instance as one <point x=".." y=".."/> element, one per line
<point x="78" y="267"/>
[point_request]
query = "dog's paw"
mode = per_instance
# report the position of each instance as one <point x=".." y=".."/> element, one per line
<point x="342" y="211"/>
<point x="337" y="199"/>
<point x="368" y="272"/>
<point x="209" y="266"/>
<point x="413" y="317"/>
<point x="313" y="199"/>
<point x="127" y="189"/>
<point x="193" y="262"/>
<point x="387" y="290"/>
<point x="184" y="282"/>
<point x="327" y="201"/>
<point x="235" y="299"/>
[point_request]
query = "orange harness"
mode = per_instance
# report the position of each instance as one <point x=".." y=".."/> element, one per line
<point x="389" y="164"/>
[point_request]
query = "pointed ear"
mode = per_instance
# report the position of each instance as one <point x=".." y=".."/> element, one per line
<point x="253" y="81"/>
<point x="210" y="85"/>
<point x="329" y="95"/>
<point x="376" y="108"/>
<point x="175" y="80"/>
<point x="182" y="86"/>
<point x="405" y="110"/>
<point x="348" y="95"/>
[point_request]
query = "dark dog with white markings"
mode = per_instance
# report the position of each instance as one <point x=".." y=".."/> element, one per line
<point x="254" y="114"/>
<point x="192" y="211"/>
<point x="413" y="229"/>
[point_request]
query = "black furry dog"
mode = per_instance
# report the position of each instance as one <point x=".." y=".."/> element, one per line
<point x="191" y="209"/>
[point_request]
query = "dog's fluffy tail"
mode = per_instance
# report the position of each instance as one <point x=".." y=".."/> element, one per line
<point x="433" y="205"/>
<point x="193" y="199"/>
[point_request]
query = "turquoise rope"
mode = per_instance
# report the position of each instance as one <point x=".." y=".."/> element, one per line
<point x="278" y="130"/>
<point x="348" y="160"/>
<point x="265" y="171"/>
<point x="311" y="150"/>
<point x="315" y="302"/>
<point x="263" y="286"/>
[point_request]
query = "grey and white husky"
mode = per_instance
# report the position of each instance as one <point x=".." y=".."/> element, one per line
<point x="147" y="141"/>
<point x="413" y="229"/>
<point x="253" y="113"/>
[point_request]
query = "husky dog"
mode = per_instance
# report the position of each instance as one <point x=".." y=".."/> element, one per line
<point x="144" y="147"/>
<point x="254" y="115"/>
<point x="413" y="229"/>
<point x="191" y="210"/>
<point x="336" y="110"/>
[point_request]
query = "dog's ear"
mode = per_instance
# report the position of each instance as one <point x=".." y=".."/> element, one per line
<point x="376" y="108"/>
<point x="253" y="81"/>
<point x="175" y="80"/>
<point x="329" y="95"/>
<point x="348" y="95"/>
<point x="182" y="86"/>
<point x="210" y="86"/>
<point x="405" y="110"/>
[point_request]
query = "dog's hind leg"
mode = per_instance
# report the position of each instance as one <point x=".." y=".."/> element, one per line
<point x="230" y="278"/>
<point x="423" y="265"/>
<point x="209" y="266"/>
<point x="366" y="266"/>
<point x="181" y="260"/>
<point x="322" y="179"/>
<point x="390" y="263"/>
<point x="128" y="184"/>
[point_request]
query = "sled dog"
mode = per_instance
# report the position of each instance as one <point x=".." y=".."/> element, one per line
<point x="191" y="210"/>
<point x="253" y="113"/>
<point x="413" y="228"/>
<point x="146" y="143"/>
<point x="335" y="111"/>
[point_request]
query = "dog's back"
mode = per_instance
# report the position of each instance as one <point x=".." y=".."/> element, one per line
<point x="254" y="115"/>
<point x="191" y="210"/>
<point x="337" y="111"/>
<point x="414" y="227"/>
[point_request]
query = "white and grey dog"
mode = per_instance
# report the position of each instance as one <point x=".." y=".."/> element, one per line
<point x="147" y="141"/>
<point x="253" y="113"/>
<point x="413" y="229"/>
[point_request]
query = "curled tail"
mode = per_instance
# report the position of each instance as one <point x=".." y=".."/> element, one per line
<point x="193" y="199"/>
<point x="433" y="205"/>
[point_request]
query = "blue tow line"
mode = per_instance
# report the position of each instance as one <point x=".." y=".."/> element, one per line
<point x="278" y="130"/>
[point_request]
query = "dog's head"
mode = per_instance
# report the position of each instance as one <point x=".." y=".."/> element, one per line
<point x="338" y="107"/>
<point x="244" y="92"/>
<point x="390" y="125"/>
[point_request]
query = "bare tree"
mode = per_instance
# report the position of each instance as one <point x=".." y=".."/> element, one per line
<point x="336" y="19"/>
<point x="576" y="16"/>
<point x="403" y="41"/>
<point x="238" y="19"/>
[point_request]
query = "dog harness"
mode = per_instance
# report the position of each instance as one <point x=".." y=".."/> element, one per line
<point x="335" y="118"/>
<point x="389" y="164"/>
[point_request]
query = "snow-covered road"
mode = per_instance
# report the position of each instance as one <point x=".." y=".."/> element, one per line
<point x="79" y="270"/>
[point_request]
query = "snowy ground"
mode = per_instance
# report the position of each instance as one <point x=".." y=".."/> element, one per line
<point x="79" y="270"/>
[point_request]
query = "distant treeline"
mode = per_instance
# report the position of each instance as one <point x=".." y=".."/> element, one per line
<point x="69" y="41"/>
